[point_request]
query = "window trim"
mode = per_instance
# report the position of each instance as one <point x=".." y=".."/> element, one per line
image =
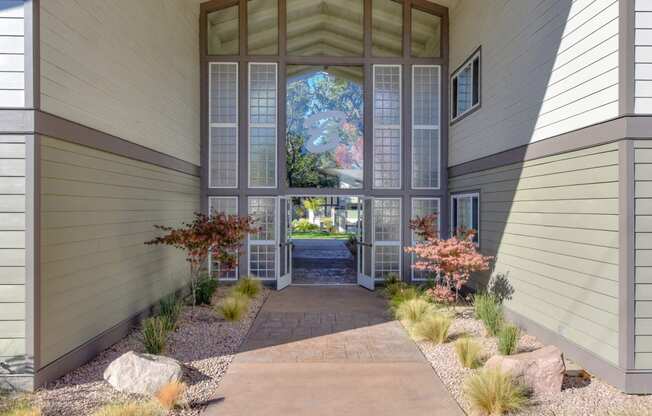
<point x="474" y="107"/>
<point x="459" y="195"/>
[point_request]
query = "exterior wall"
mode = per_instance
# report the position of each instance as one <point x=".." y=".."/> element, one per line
<point x="97" y="209"/>
<point x="127" y="68"/>
<point x="552" y="224"/>
<point x="643" y="254"/>
<point x="12" y="48"/>
<point x="548" y="67"/>
<point x="12" y="251"/>
<point x="643" y="56"/>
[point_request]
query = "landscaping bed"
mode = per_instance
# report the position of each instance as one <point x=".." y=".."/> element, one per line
<point x="203" y="342"/>
<point x="581" y="394"/>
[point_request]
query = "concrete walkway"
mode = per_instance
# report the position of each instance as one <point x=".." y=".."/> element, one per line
<point x="322" y="262"/>
<point x="321" y="351"/>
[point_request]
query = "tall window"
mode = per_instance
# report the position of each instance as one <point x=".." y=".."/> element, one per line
<point x="465" y="85"/>
<point x="465" y="213"/>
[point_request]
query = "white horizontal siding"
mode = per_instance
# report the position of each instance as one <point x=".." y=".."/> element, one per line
<point x="552" y="225"/>
<point x="548" y="67"/>
<point x="12" y="49"/>
<point x="12" y="247"/>
<point x="98" y="209"/>
<point x="128" y="68"/>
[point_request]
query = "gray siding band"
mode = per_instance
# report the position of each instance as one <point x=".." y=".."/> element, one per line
<point x="617" y="129"/>
<point x="54" y="126"/>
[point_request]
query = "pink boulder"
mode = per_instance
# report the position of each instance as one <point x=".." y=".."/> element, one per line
<point x="541" y="370"/>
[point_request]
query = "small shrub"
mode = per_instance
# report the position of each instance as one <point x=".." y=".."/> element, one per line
<point x="414" y="310"/>
<point x="327" y="224"/>
<point x="154" y="335"/>
<point x="403" y="294"/>
<point x="204" y="290"/>
<point x="170" y="311"/>
<point x="234" y="307"/>
<point x="248" y="287"/>
<point x="303" y="225"/>
<point x="433" y="328"/>
<point x="469" y="352"/>
<point x="508" y="337"/>
<point x="489" y="310"/>
<point x="493" y="392"/>
<point x="131" y="409"/>
<point x="170" y="395"/>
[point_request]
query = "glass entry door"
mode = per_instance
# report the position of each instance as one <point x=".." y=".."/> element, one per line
<point x="285" y="243"/>
<point x="364" y="258"/>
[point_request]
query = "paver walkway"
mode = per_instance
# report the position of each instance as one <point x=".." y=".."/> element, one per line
<point x="322" y="262"/>
<point x="329" y="351"/>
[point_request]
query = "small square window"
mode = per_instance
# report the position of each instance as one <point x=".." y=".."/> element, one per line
<point x="465" y="214"/>
<point x="465" y="84"/>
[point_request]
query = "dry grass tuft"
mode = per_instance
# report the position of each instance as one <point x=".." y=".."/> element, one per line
<point x="170" y="395"/>
<point x="414" y="310"/>
<point x="469" y="353"/>
<point x="492" y="392"/>
<point x="433" y="328"/>
<point x="234" y="307"/>
<point x="21" y="408"/>
<point x="131" y="409"/>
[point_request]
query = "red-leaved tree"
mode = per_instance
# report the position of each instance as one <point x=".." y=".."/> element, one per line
<point x="218" y="234"/>
<point x="452" y="260"/>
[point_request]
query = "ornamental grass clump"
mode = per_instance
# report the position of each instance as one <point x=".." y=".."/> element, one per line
<point x="154" y="334"/>
<point x="170" y="395"/>
<point x="234" y="307"/>
<point x="508" y="337"/>
<point x="492" y="392"/>
<point x="414" y="310"/>
<point x="489" y="310"/>
<point x="404" y="294"/>
<point x="433" y="328"/>
<point x="131" y="409"/>
<point x="248" y="287"/>
<point x="170" y="310"/>
<point x="20" y="408"/>
<point x="469" y="353"/>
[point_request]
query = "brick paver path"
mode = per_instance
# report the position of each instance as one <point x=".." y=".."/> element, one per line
<point x="322" y="262"/>
<point x="329" y="351"/>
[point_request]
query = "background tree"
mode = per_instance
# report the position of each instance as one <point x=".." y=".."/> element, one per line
<point x="219" y="235"/>
<point x="312" y="205"/>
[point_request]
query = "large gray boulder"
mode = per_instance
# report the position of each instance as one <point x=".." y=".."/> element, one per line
<point x="541" y="370"/>
<point x="142" y="373"/>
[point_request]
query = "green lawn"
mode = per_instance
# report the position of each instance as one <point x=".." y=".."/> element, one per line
<point x="320" y="235"/>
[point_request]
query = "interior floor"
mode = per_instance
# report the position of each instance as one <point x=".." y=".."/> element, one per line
<point x="322" y="262"/>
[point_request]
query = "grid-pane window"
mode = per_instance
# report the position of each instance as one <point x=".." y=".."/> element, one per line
<point x="425" y="126"/>
<point x="223" y="128"/>
<point x="422" y="207"/>
<point x="387" y="126"/>
<point x="387" y="237"/>
<point x="262" y="245"/>
<point x="262" y="125"/>
<point x="227" y="206"/>
<point x="465" y="214"/>
<point x="465" y="84"/>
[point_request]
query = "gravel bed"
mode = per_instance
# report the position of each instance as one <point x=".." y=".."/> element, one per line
<point x="205" y="345"/>
<point x="578" y="396"/>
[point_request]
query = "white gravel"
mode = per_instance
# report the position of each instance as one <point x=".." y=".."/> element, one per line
<point x="205" y="345"/>
<point x="578" y="396"/>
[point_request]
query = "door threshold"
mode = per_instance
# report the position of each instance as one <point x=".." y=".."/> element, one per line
<point x="323" y="284"/>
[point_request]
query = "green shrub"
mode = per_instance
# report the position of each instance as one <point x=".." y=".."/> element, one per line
<point x="403" y="294"/>
<point x="327" y="224"/>
<point x="469" y="352"/>
<point x="131" y="409"/>
<point x="204" y="290"/>
<point x="508" y="337"/>
<point x="490" y="311"/>
<point x="414" y="310"/>
<point x="433" y="328"/>
<point x="303" y="225"/>
<point x="493" y="392"/>
<point x="234" y="307"/>
<point x="154" y="333"/>
<point x="170" y="311"/>
<point x="248" y="287"/>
